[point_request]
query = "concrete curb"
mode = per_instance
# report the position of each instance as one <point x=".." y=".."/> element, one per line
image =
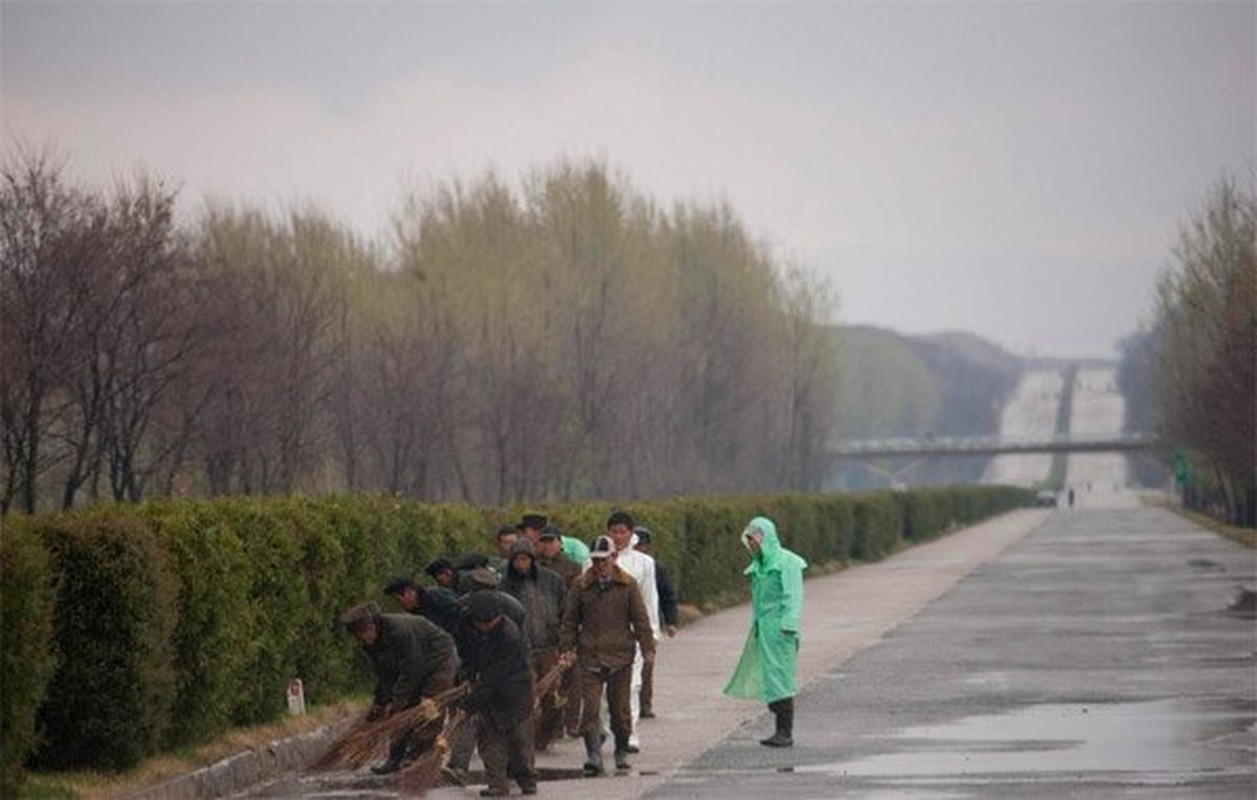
<point x="245" y="769"/>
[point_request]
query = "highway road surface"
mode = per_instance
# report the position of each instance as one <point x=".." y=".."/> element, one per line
<point x="1049" y="653"/>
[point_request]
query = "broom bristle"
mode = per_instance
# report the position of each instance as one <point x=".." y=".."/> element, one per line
<point x="422" y="774"/>
<point x="548" y="683"/>
<point x="354" y="747"/>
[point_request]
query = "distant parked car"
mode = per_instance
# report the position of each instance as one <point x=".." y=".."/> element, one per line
<point x="1047" y="499"/>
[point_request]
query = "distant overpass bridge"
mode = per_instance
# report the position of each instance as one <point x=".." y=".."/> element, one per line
<point x="868" y="449"/>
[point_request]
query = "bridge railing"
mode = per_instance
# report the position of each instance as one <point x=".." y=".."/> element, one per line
<point x="993" y="445"/>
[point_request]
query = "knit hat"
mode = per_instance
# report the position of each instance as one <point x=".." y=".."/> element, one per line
<point x="483" y="606"/>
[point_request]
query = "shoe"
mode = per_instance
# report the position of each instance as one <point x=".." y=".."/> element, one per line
<point x="777" y="740"/>
<point x="456" y="775"/>
<point x="528" y="788"/>
<point x="494" y="791"/>
<point x="621" y="760"/>
<point x="646" y="714"/>
<point x="387" y="768"/>
<point x="632" y="748"/>
<point x="593" y="755"/>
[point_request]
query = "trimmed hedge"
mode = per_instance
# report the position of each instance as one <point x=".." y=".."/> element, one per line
<point x="132" y="630"/>
<point x="27" y="659"/>
<point x="109" y="701"/>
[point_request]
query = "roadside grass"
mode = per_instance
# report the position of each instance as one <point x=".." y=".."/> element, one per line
<point x="101" y="785"/>
<point x="1245" y="536"/>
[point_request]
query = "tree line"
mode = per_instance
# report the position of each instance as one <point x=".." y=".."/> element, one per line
<point x="565" y="339"/>
<point x="1193" y="371"/>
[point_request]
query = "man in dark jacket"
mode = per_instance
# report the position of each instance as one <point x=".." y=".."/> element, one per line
<point x="413" y="659"/>
<point x="482" y="588"/>
<point x="438" y="605"/>
<point x="543" y="594"/>
<point x="551" y="556"/>
<point x="442" y="571"/>
<point x="667" y="614"/>
<point x="502" y="695"/>
<point x="604" y="625"/>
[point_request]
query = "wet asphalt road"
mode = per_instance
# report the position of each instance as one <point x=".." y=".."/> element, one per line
<point x="1096" y="658"/>
<point x="1083" y="653"/>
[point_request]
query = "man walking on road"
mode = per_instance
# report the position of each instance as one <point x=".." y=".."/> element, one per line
<point x="606" y="624"/>
<point x="667" y="613"/>
<point x="769" y="666"/>
<point x="641" y="568"/>
<point x="543" y="594"/>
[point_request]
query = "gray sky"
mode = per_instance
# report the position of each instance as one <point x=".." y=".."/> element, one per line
<point x="1015" y="169"/>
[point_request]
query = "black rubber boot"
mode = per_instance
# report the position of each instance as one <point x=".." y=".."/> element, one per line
<point x="783" y="737"/>
<point x="622" y="751"/>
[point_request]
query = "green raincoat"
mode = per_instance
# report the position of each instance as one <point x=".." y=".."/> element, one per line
<point x="768" y="668"/>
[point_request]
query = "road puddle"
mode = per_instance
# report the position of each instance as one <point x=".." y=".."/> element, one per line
<point x="1177" y="736"/>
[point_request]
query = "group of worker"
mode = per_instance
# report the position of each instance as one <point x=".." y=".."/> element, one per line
<point x="580" y="621"/>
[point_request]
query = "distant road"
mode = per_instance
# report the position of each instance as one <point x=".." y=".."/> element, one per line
<point x="1031" y="412"/>
<point x="1098" y="479"/>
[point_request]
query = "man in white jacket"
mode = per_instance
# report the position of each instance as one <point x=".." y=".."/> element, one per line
<point x="642" y="568"/>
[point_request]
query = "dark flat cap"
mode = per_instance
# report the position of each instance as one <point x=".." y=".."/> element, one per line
<point x="397" y="585"/>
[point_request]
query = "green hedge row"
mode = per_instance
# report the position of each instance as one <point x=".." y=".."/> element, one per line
<point x="132" y="630"/>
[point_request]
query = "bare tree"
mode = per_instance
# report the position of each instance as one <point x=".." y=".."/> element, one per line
<point x="810" y="383"/>
<point x="48" y="233"/>
<point x="155" y="335"/>
<point x="1206" y="335"/>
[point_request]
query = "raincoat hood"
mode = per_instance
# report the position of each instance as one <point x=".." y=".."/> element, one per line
<point x="771" y="555"/>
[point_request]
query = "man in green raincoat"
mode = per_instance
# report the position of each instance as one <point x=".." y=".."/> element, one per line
<point x="768" y="668"/>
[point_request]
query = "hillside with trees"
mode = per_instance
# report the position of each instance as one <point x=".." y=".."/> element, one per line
<point x="892" y="386"/>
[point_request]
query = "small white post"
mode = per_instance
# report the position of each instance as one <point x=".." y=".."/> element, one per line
<point x="296" y="697"/>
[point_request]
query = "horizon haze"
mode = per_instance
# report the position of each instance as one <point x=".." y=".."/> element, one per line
<point x="1019" y="171"/>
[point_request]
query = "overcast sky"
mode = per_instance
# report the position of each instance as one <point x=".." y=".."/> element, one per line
<point x="1016" y="169"/>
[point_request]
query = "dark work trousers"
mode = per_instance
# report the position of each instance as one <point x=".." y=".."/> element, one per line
<point x="549" y="715"/>
<point x="507" y="754"/>
<point x="618" y="684"/>
<point x="572" y="692"/>
<point x="647" y="695"/>
<point x="464" y="743"/>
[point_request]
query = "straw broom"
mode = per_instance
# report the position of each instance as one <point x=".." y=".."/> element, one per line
<point x="548" y="682"/>
<point x="422" y="774"/>
<point x="354" y="747"/>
